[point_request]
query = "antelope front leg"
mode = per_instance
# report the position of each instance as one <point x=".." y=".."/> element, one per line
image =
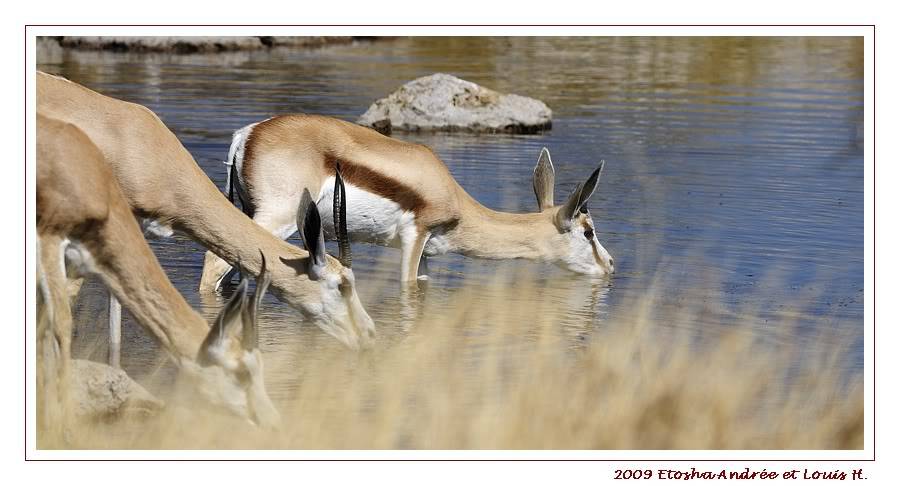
<point x="114" y="350"/>
<point x="412" y="244"/>
<point x="53" y="340"/>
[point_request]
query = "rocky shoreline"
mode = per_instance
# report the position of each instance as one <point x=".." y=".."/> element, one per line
<point x="195" y="44"/>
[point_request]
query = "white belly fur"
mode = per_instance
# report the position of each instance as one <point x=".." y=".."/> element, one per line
<point x="370" y="217"/>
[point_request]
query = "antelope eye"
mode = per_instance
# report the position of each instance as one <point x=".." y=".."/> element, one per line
<point x="589" y="234"/>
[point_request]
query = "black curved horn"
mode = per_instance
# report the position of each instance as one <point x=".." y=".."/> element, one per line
<point x="340" y="218"/>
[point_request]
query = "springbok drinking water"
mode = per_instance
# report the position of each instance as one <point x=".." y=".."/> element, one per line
<point x="82" y="215"/>
<point x="402" y="195"/>
<point x="161" y="182"/>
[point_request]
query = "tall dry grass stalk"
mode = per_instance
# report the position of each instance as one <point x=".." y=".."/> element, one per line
<point x="490" y="375"/>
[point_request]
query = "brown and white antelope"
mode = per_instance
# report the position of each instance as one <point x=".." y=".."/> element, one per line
<point x="82" y="216"/>
<point x="400" y="194"/>
<point x="162" y="183"/>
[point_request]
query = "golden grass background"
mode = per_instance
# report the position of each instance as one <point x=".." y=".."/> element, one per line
<point x="491" y="375"/>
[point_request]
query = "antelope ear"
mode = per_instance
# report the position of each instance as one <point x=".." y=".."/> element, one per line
<point x="216" y="343"/>
<point x="250" y="309"/>
<point x="543" y="180"/>
<point x="314" y="241"/>
<point x="305" y="200"/>
<point x="577" y="199"/>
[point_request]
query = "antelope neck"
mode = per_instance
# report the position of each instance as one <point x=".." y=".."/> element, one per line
<point x="485" y="233"/>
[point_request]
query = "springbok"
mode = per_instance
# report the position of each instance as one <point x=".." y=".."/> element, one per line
<point x="162" y="183"/>
<point x="82" y="216"/>
<point x="400" y="194"/>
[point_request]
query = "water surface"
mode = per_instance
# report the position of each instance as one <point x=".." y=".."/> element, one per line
<point x="734" y="167"/>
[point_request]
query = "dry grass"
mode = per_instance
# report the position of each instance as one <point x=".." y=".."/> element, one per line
<point x="501" y="376"/>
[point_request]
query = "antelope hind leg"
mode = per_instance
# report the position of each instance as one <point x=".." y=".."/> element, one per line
<point x="412" y="248"/>
<point x="217" y="271"/>
<point x="423" y="267"/>
<point x="214" y="272"/>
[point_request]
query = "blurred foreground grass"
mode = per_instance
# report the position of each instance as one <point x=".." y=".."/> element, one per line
<point x="491" y="375"/>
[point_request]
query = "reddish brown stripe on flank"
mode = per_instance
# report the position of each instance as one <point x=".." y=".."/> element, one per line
<point x="266" y="133"/>
<point x="380" y="184"/>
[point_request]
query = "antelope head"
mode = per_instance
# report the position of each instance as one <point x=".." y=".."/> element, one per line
<point x="339" y="312"/>
<point x="228" y="371"/>
<point x="573" y="242"/>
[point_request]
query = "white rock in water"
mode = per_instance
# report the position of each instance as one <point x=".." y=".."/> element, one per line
<point x="441" y="102"/>
<point x="101" y="391"/>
